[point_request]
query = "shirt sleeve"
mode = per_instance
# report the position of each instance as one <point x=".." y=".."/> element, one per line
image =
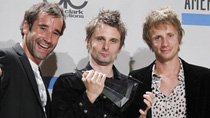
<point x="4" y="78"/>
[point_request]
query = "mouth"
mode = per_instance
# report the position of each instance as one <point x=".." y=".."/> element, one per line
<point x="104" y="54"/>
<point x="43" y="46"/>
<point x="166" y="50"/>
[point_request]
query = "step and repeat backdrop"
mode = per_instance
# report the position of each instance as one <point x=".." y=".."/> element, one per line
<point x="71" y="51"/>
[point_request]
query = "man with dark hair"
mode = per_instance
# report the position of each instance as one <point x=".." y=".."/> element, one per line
<point x="22" y="91"/>
<point x="77" y="95"/>
<point x="181" y="89"/>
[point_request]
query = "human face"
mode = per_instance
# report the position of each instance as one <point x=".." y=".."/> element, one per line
<point x="104" y="44"/>
<point x="165" y="43"/>
<point x="43" y="37"/>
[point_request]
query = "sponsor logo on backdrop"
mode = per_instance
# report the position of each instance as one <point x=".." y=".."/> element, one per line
<point x="197" y="5"/>
<point x="72" y="10"/>
<point x="196" y="18"/>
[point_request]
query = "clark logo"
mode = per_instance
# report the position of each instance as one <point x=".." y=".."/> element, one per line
<point x="71" y="10"/>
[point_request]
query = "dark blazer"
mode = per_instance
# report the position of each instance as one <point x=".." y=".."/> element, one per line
<point x="197" y="87"/>
<point x="19" y="95"/>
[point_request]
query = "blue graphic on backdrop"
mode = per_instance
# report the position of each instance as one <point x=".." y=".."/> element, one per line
<point x="49" y="82"/>
<point x="196" y="19"/>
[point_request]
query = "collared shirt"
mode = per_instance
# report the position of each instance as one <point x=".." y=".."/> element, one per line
<point x="40" y="84"/>
<point x="173" y="106"/>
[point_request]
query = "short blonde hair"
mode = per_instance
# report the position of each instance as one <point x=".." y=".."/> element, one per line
<point x="162" y="16"/>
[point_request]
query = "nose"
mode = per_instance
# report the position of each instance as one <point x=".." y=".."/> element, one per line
<point x="165" y="42"/>
<point x="48" y="37"/>
<point x="106" y="45"/>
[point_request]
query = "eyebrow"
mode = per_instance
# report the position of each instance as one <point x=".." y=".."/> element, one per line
<point x="105" y="38"/>
<point x="115" y="39"/>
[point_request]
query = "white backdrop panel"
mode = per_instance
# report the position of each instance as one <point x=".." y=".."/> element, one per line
<point x="71" y="50"/>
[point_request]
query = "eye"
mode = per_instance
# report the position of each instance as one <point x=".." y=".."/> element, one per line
<point x="100" y="39"/>
<point x="56" y="33"/>
<point x="43" y="28"/>
<point x="171" y="35"/>
<point x="113" y="40"/>
<point x="157" y="38"/>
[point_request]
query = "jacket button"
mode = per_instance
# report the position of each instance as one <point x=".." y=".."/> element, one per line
<point x="80" y="104"/>
<point x="135" y="84"/>
<point x="85" y="111"/>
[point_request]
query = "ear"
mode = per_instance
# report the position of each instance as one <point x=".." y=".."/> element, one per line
<point x="87" y="42"/>
<point x="25" y="27"/>
<point x="119" y="50"/>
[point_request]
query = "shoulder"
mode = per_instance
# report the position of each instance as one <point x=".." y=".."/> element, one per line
<point x="72" y="76"/>
<point x="199" y="68"/>
<point x="69" y="78"/>
<point x="123" y="76"/>
<point x="196" y="72"/>
<point x="8" y="56"/>
<point x="142" y="71"/>
<point x="194" y="68"/>
<point x="12" y="52"/>
<point x="67" y="75"/>
<point x="6" y="51"/>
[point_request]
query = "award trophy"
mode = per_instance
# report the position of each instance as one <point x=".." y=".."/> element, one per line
<point x="120" y="92"/>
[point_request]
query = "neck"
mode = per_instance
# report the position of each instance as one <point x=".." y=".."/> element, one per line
<point x="105" y="69"/>
<point x="168" y="68"/>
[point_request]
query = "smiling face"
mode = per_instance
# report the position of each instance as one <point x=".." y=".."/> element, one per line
<point x="104" y="44"/>
<point x="41" y="40"/>
<point x="165" y="43"/>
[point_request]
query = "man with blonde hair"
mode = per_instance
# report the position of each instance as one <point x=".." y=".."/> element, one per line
<point x="181" y="89"/>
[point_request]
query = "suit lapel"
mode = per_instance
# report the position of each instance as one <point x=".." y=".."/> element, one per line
<point x="192" y="84"/>
<point x="28" y="70"/>
<point x="147" y="75"/>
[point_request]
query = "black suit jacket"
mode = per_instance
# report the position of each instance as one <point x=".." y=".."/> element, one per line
<point x="197" y="87"/>
<point x="19" y="95"/>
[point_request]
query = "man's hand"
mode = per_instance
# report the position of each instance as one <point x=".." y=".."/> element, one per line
<point x="149" y="98"/>
<point x="94" y="83"/>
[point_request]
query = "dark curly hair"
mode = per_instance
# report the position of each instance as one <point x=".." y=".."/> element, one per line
<point x="108" y="17"/>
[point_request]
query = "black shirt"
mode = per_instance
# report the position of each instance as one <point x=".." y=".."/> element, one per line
<point x="70" y="100"/>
